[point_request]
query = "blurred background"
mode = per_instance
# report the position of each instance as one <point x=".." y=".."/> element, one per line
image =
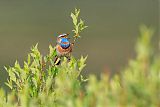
<point x="108" y="41"/>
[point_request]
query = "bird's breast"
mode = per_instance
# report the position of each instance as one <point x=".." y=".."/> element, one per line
<point x="63" y="51"/>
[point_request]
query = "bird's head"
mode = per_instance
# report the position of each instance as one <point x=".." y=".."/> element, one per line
<point x="64" y="35"/>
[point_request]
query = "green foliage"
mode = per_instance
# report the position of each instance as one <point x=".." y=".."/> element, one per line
<point x="39" y="79"/>
<point x="78" y="23"/>
<point x="41" y="83"/>
<point x="137" y="86"/>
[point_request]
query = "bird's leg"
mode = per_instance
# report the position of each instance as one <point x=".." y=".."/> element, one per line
<point x="68" y="57"/>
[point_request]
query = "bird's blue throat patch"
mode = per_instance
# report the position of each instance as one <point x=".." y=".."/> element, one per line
<point x="64" y="43"/>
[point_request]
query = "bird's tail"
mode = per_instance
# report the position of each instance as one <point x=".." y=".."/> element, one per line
<point x="57" y="60"/>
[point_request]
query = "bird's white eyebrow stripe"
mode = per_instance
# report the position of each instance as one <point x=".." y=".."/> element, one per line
<point x="64" y="34"/>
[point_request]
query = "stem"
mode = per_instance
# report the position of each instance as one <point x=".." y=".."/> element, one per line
<point x="75" y="38"/>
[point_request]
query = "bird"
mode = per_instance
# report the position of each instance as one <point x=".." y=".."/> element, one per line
<point x="63" y="48"/>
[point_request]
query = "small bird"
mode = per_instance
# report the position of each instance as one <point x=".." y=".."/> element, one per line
<point x="63" y="47"/>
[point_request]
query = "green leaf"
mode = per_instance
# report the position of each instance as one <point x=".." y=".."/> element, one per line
<point x="81" y="62"/>
<point x="34" y="82"/>
<point x="9" y="84"/>
<point x="74" y="19"/>
<point x="12" y="75"/>
<point x="77" y="11"/>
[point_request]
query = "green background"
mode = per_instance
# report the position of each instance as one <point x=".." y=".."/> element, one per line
<point x="108" y="41"/>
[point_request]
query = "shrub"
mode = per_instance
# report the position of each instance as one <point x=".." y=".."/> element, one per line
<point x="43" y="85"/>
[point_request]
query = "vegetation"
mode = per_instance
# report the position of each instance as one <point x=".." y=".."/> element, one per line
<point x="40" y="83"/>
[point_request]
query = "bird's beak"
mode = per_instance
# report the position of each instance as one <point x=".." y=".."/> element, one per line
<point x="67" y="35"/>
